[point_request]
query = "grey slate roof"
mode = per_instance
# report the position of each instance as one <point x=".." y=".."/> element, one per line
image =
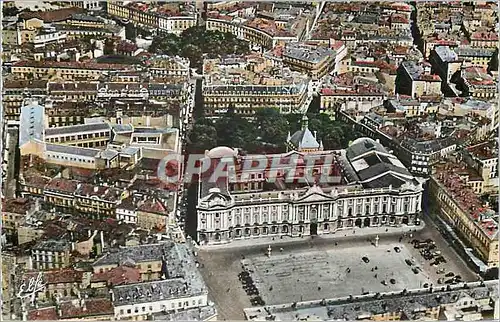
<point x="183" y="278"/>
<point x="150" y="291"/>
<point x="377" y="162"/>
<point x="196" y="314"/>
<point x="379" y="166"/>
<point x="428" y="146"/>
<point x="361" y="146"/>
<point x="257" y="89"/>
<point x="410" y="304"/>
<point x="81" y="128"/>
<point x="141" y="253"/>
<point x="305" y="139"/>
<point x="57" y="148"/>
<point x="118" y="128"/>
<point x="384" y="182"/>
<point x="52" y="245"/>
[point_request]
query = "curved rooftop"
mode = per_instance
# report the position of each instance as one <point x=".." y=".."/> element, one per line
<point x="221" y="152"/>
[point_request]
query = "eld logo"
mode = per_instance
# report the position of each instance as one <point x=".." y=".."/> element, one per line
<point x="31" y="287"/>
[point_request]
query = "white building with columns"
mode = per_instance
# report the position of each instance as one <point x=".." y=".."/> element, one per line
<point x="373" y="188"/>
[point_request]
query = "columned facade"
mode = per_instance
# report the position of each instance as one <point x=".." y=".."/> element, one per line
<point x="223" y="218"/>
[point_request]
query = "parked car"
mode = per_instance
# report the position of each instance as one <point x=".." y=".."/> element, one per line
<point x="392" y="280"/>
<point x="415" y="270"/>
<point x="449" y="274"/>
<point x="440" y="271"/>
<point x="365" y="259"/>
<point x="408" y="262"/>
<point x="397" y="249"/>
<point x="441" y="259"/>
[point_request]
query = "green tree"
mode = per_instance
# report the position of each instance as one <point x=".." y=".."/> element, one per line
<point x="193" y="53"/>
<point x="9" y="11"/>
<point x="202" y="137"/>
<point x="236" y="132"/>
<point x="196" y="41"/>
<point x="294" y="122"/>
<point x="493" y="64"/>
<point x="109" y="46"/>
<point x="167" y="44"/>
<point x="130" y="31"/>
<point x="271" y="126"/>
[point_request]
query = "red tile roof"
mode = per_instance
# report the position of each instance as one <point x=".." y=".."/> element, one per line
<point x="69" y="65"/>
<point x="118" y="276"/>
<point x="63" y="185"/>
<point x="484" y="36"/>
<point x="52" y="15"/>
<point x="153" y="206"/>
<point x="44" y="314"/>
<point x="17" y="206"/>
<point x="25" y="84"/>
<point x="68" y="275"/>
<point x="88" y="307"/>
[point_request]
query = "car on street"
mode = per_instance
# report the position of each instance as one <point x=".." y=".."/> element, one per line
<point x="441" y="259"/>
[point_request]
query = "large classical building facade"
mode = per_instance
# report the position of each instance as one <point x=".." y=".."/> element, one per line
<point x="370" y="188"/>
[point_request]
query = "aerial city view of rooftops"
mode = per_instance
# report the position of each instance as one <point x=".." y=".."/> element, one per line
<point x="237" y="160"/>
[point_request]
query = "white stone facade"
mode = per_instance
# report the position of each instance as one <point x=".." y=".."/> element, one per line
<point x="222" y="218"/>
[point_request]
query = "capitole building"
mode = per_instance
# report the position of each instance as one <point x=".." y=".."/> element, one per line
<point x="366" y="187"/>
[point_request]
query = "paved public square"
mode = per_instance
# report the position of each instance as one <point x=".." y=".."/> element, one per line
<point x="321" y="262"/>
<point x="314" y="274"/>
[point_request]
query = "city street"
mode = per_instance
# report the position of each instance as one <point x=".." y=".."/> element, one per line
<point x="221" y="266"/>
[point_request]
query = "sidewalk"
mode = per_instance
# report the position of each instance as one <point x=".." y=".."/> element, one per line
<point x="340" y="234"/>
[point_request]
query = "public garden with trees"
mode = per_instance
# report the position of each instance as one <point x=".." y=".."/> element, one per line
<point x="266" y="132"/>
<point x="195" y="42"/>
